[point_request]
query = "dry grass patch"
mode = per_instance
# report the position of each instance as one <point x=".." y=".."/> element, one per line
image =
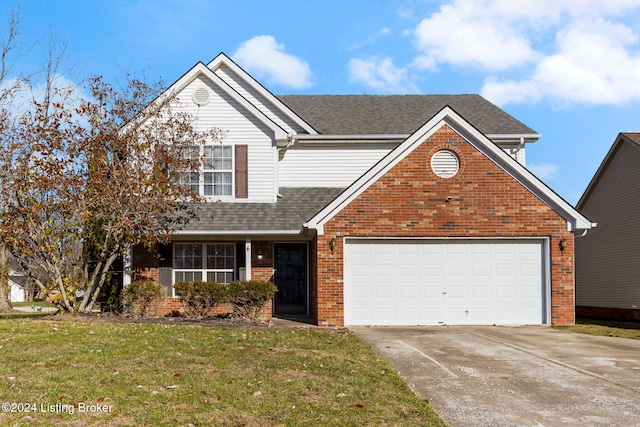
<point x="607" y="329"/>
<point x="150" y="374"/>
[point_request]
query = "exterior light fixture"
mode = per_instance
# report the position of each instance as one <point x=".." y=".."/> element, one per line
<point x="563" y="245"/>
<point x="260" y="256"/>
<point x="332" y="244"/>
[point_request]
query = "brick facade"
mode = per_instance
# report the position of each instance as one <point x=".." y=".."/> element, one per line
<point x="147" y="266"/>
<point x="410" y="201"/>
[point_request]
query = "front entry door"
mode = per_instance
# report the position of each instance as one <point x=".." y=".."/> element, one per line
<point x="290" y="278"/>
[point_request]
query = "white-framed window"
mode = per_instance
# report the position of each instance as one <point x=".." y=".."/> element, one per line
<point x="210" y="262"/>
<point x="215" y="177"/>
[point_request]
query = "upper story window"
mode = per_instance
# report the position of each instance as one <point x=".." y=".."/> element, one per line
<point x="215" y="177"/>
<point x="217" y="170"/>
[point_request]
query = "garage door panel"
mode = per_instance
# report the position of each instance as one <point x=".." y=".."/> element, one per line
<point x="408" y="270"/>
<point x="430" y="282"/>
<point x="385" y="270"/>
<point x="412" y="292"/>
<point x="385" y="292"/>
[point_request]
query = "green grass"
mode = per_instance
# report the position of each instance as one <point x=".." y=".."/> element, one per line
<point x="34" y="303"/>
<point x="603" y="328"/>
<point x="23" y="314"/>
<point x="157" y="375"/>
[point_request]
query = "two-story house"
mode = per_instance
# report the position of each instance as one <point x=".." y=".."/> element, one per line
<point x="371" y="210"/>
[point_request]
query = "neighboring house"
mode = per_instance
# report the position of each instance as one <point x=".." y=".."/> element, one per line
<point x="371" y="210"/>
<point x="18" y="291"/>
<point x="608" y="258"/>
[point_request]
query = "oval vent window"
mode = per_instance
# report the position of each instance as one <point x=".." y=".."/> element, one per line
<point x="445" y="163"/>
<point x="201" y="96"/>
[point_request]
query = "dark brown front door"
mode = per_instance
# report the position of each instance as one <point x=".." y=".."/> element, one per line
<point x="290" y="278"/>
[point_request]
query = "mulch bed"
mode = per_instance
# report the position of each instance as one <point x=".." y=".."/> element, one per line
<point x="219" y="322"/>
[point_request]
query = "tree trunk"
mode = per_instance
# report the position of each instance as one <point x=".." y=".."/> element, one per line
<point x="5" y="304"/>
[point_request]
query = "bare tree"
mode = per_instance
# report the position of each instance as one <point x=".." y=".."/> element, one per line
<point x="9" y="54"/>
<point x="83" y="178"/>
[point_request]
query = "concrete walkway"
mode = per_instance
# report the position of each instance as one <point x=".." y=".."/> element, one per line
<point x="516" y="376"/>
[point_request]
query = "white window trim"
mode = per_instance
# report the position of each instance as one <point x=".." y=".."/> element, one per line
<point x="202" y="171"/>
<point x="204" y="270"/>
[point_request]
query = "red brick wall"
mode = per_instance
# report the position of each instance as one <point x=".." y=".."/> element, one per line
<point x="409" y="201"/>
<point x="146" y="264"/>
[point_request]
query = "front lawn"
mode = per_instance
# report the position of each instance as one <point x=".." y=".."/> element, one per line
<point x="78" y="373"/>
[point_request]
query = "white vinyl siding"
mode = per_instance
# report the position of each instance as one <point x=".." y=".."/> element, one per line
<point x="437" y="282"/>
<point x="329" y="165"/>
<point x="608" y="256"/>
<point x="250" y="94"/>
<point x="239" y="128"/>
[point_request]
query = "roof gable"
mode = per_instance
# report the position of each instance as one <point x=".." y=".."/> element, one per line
<point x="631" y="138"/>
<point x="224" y="60"/>
<point x="447" y="116"/>
<point x="201" y="70"/>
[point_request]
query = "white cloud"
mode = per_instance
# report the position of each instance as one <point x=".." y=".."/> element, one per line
<point x="471" y="34"/>
<point x="25" y="93"/>
<point x="264" y="58"/>
<point x="570" y="51"/>
<point x="591" y="65"/>
<point x="381" y="75"/>
<point x="544" y="171"/>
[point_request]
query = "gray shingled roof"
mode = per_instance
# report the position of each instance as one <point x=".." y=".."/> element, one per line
<point x="294" y="208"/>
<point x="397" y="114"/>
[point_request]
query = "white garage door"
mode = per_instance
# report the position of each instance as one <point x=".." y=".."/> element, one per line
<point x="453" y="282"/>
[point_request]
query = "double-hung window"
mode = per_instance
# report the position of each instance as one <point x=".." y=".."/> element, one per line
<point x="211" y="262"/>
<point x="217" y="170"/>
<point x="215" y="175"/>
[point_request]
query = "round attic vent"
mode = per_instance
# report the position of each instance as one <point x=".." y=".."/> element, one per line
<point x="201" y="96"/>
<point x="445" y="163"/>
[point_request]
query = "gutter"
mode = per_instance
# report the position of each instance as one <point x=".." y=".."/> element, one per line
<point x="395" y="138"/>
<point x="238" y="232"/>
<point x="515" y="138"/>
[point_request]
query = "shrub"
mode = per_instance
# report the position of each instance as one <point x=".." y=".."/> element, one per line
<point x="200" y="299"/>
<point x="248" y="297"/>
<point x="143" y="298"/>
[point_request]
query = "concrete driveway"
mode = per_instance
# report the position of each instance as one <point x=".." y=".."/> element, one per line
<point x="516" y="376"/>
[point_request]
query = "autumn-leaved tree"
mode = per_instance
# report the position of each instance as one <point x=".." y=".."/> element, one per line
<point x="84" y="180"/>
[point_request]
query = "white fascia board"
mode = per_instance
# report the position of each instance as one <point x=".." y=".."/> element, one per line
<point x="502" y="137"/>
<point x="348" y="137"/>
<point x="237" y="232"/>
<point x="278" y="131"/>
<point x="449" y="117"/>
<point x="201" y="69"/>
<point x="224" y="59"/>
<point x="575" y="220"/>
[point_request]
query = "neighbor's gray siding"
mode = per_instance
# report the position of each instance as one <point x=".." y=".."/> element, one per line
<point x="608" y="257"/>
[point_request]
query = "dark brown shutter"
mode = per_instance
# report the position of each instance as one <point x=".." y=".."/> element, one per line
<point x="242" y="182"/>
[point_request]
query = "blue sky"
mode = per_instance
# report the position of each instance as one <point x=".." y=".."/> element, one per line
<point x="566" y="68"/>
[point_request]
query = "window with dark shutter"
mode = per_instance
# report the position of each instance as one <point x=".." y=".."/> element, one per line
<point x="241" y="171"/>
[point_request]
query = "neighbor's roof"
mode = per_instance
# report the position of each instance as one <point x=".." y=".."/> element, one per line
<point x="397" y="114"/>
<point x="632" y="138"/>
<point x="294" y="208"/>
